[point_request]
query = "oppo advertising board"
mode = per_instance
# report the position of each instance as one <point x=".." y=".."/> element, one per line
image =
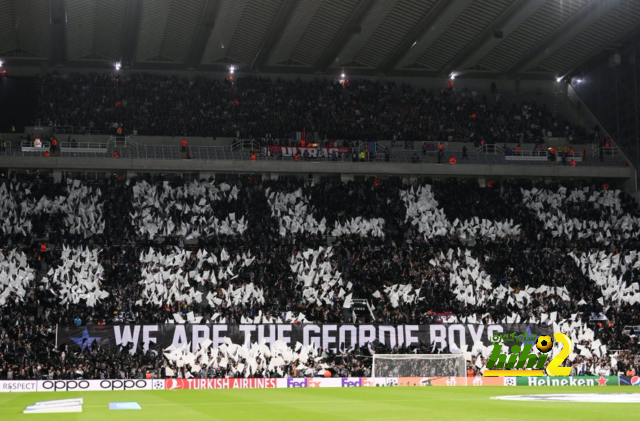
<point x="79" y="385"/>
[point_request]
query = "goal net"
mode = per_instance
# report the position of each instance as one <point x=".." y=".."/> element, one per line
<point x="419" y="365"/>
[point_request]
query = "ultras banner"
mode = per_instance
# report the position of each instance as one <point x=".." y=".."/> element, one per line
<point x="328" y="336"/>
<point x="312" y="152"/>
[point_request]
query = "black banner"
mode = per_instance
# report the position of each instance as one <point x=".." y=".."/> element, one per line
<point x="328" y="336"/>
<point x="629" y="380"/>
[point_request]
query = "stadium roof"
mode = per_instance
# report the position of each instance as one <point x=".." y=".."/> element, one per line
<point x="477" y="38"/>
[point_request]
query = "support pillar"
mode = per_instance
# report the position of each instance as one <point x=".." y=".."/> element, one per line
<point x="206" y="175"/>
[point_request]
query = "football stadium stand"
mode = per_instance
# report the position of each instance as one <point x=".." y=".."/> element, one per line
<point x="161" y="249"/>
<point x="260" y="193"/>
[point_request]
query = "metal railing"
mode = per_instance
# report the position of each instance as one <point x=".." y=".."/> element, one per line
<point x="34" y="146"/>
<point x="129" y="148"/>
<point x="208" y="153"/>
<point x="84" y="146"/>
<point x="538" y="153"/>
<point x="161" y="152"/>
<point x="69" y="130"/>
<point x="84" y="149"/>
<point x="6" y="151"/>
<point x="244" y="144"/>
<point x="606" y="152"/>
<point x="529" y="154"/>
<point x="250" y="150"/>
<point x="489" y="150"/>
<point x="128" y="141"/>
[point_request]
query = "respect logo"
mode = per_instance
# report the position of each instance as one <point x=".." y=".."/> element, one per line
<point x="522" y="357"/>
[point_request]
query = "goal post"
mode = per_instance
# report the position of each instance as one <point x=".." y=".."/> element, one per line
<point x="419" y="365"/>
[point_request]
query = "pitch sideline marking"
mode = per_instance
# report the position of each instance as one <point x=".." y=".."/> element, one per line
<point x="271" y="403"/>
<point x="574" y="397"/>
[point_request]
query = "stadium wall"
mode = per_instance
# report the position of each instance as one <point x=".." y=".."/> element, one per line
<point x="273" y="169"/>
<point x="142" y="140"/>
<point x="227" y="141"/>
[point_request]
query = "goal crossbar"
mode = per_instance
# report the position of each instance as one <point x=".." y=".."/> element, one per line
<point x="419" y="365"/>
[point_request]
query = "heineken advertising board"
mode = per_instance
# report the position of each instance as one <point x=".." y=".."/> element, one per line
<point x="568" y="381"/>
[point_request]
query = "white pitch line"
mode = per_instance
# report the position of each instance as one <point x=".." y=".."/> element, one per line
<point x="269" y="403"/>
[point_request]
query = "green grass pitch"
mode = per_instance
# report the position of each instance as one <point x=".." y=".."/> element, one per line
<point x="367" y="404"/>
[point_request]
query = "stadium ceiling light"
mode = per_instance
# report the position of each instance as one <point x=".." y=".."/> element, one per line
<point x="1" y="62"/>
<point x="117" y="65"/>
<point x="453" y="75"/>
<point x="232" y="69"/>
<point x="342" y="75"/>
<point x="559" y="79"/>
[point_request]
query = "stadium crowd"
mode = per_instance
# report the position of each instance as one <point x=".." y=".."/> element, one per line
<point x="438" y="240"/>
<point x="253" y="107"/>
